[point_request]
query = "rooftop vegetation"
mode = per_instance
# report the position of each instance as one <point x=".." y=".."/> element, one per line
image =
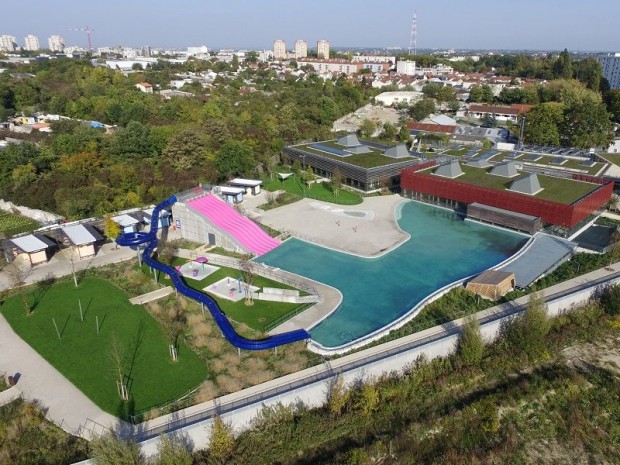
<point x="554" y="189"/>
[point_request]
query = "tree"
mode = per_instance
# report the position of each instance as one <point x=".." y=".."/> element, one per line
<point x="589" y="72"/>
<point x="186" y="150"/>
<point x="422" y="108"/>
<point x="612" y="99"/>
<point x="17" y="272"/>
<point x="248" y="276"/>
<point x="389" y="131"/>
<point x="221" y="442"/>
<point x="234" y="64"/>
<point x="431" y="90"/>
<point x="165" y="253"/>
<point x="609" y="298"/>
<point x="586" y="124"/>
<point x="309" y="176"/>
<point x="470" y="347"/>
<point x="337" y="396"/>
<point x="403" y="134"/>
<point x="110" y="449"/>
<point x="132" y="141"/>
<point x="489" y="121"/>
<point x="542" y="124"/>
<point x="563" y="66"/>
<point x="369" y="398"/>
<point x="482" y="93"/>
<point x="172" y="450"/>
<point x="336" y="181"/>
<point x="234" y="159"/>
<point x="116" y="353"/>
<point x="111" y="228"/>
<point x="367" y="128"/>
<point x="24" y="175"/>
<point x="174" y="324"/>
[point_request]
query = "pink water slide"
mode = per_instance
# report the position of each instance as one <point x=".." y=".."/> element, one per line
<point x="247" y="233"/>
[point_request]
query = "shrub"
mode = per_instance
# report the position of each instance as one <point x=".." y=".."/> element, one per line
<point x="526" y="332"/>
<point x="470" y="347"/>
<point x="609" y="298"/>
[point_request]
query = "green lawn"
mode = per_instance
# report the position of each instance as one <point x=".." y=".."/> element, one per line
<point x="258" y="316"/>
<point x="318" y="191"/>
<point x="84" y="357"/>
<point x="559" y="190"/>
<point x="11" y="224"/>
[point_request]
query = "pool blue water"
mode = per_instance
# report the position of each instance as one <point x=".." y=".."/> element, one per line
<point x="377" y="291"/>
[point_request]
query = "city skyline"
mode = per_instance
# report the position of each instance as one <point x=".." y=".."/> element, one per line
<point x="481" y="25"/>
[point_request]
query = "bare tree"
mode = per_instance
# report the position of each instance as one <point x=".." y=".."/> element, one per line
<point x="336" y="181"/>
<point x="17" y="272"/>
<point x="272" y="198"/>
<point x="174" y="324"/>
<point x="117" y="356"/>
<point x="248" y="276"/>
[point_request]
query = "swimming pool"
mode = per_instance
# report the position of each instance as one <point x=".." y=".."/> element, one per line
<point x="376" y="291"/>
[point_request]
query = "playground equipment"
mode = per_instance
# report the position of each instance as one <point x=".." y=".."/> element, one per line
<point x="134" y="239"/>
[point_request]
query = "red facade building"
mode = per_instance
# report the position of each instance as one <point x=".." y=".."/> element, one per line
<point x="436" y="189"/>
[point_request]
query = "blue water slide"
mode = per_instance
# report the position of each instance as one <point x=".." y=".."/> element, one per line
<point x="150" y="239"/>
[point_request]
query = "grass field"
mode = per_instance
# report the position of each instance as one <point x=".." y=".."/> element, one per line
<point x="317" y="191"/>
<point x="258" y="316"/>
<point x="11" y="224"/>
<point x="84" y="357"/>
<point x="554" y="189"/>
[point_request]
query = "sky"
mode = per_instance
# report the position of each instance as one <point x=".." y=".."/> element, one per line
<point x="254" y="24"/>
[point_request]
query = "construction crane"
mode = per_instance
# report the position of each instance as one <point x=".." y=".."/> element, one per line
<point x="88" y="30"/>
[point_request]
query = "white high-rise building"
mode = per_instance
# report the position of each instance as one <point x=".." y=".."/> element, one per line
<point x="322" y="49"/>
<point x="405" y="67"/>
<point x="8" y="43"/>
<point x="301" y="49"/>
<point x="56" y="43"/>
<point x="31" y="42"/>
<point x="610" y="64"/>
<point x="279" y="49"/>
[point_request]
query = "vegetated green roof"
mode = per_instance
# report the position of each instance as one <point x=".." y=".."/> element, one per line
<point x="546" y="160"/>
<point x="559" y="190"/>
<point x="364" y="160"/>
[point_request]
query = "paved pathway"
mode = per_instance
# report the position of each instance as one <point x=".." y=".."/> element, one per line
<point x="65" y="404"/>
<point x="60" y="264"/>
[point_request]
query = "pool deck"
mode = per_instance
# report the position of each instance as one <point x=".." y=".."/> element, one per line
<point x="330" y="297"/>
<point x="329" y="227"/>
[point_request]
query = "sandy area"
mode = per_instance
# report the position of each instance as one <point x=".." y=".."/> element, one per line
<point x="368" y="229"/>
